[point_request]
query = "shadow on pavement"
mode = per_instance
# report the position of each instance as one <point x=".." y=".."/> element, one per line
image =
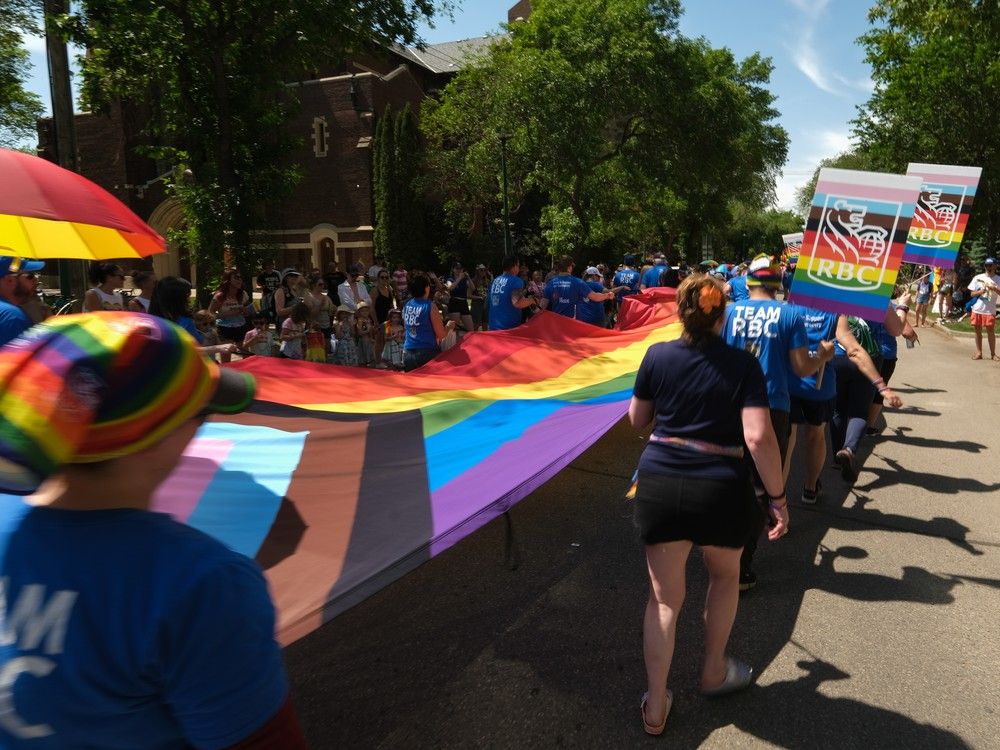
<point x="898" y="435"/>
<point x="466" y="653"/>
<point x="931" y="481"/>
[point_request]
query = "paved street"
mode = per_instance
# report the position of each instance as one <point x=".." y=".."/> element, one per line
<point x="874" y="623"/>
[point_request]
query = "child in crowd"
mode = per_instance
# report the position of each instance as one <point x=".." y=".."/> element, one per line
<point x="315" y="345"/>
<point x="293" y="332"/>
<point x="366" y="335"/>
<point x="392" y="353"/>
<point x="346" y="352"/>
<point x="260" y="340"/>
<point x="204" y="321"/>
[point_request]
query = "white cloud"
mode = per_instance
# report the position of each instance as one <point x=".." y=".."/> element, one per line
<point x="833" y="142"/>
<point x="806" y="59"/>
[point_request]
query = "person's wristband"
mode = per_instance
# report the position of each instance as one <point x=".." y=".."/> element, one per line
<point x="880" y="383"/>
<point x="904" y="308"/>
<point x="778" y="506"/>
<point x="883" y="389"/>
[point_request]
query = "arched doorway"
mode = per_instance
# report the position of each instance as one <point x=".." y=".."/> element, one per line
<point x="176" y="261"/>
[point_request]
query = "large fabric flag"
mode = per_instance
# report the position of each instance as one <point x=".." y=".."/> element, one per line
<point x="854" y="239"/>
<point x="946" y="197"/>
<point x="340" y="480"/>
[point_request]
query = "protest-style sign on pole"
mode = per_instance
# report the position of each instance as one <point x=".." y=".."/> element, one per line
<point x="853" y="242"/>
<point x="793" y="244"/>
<point x="946" y="198"/>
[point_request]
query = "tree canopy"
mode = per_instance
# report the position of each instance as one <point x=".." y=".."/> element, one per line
<point x="19" y="108"/>
<point x="936" y="67"/>
<point x="634" y="134"/>
<point x="214" y="73"/>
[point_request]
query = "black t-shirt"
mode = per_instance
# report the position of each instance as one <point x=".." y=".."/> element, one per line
<point x="698" y="393"/>
<point x="269" y="281"/>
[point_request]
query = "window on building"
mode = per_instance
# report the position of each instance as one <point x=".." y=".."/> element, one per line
<point x="321" y="137"/>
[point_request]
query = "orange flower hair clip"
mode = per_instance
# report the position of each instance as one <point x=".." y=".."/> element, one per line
<point x="709" y="298"/>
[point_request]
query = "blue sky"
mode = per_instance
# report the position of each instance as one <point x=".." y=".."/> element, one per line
<point x="819" y="71"/>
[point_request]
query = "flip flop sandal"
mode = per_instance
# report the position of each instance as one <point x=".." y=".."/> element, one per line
<point x="654" y="729"/>
<point x="977" y="356"/>
<point x="738" y="677"/>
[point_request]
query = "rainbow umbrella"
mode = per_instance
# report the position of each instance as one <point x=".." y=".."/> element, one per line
<point x="49" y="212"/>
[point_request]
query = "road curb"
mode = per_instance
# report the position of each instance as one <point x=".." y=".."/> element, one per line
<point x="945" y="331"/>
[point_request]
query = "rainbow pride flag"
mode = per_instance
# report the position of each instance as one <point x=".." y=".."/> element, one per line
<point x="853" y="241"/>
<point x="340" y="480"/>
<point x="942" y="213"/>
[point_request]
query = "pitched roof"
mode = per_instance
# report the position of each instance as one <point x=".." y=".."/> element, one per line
<point x="447" y="57"/>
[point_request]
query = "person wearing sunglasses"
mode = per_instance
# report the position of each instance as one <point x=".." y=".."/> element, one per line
<point x="106" y="278"/>
<point x="16" y="290"/>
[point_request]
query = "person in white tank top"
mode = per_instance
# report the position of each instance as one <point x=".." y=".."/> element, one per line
<point x="145" y="282"/>
<point x="106" y="277"/>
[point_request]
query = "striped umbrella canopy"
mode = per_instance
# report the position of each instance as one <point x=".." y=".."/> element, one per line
<point x="49" y="212"/>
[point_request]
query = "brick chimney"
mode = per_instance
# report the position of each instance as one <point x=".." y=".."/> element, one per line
<point x="519" y="12"/>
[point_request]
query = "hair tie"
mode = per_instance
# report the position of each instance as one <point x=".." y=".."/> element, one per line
<point x="709" y="298"/>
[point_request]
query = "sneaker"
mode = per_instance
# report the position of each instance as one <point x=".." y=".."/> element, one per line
<point x="811" y="497"/>
<point x="845" y="460"/>
<point x="870" y="431"/>
<point x="748" y="580"/>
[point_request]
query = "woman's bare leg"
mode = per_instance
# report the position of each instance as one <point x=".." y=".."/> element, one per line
<point x="666" y="564"/>
<point x="723" y="565"/>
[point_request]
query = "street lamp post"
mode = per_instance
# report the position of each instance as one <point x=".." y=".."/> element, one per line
<point x="504" y="137"/>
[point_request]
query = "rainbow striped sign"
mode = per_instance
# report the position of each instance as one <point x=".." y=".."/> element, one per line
<point x="854" y="239"/>
<point x="946" y="198"/>
<point x="793" y="245"/>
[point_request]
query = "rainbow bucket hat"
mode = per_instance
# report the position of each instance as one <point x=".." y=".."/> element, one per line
<point x="93" y="387"/>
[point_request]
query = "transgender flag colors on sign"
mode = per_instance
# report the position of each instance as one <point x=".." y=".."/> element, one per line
<point x="946" y="197"/>
<point x="854" y="239"/>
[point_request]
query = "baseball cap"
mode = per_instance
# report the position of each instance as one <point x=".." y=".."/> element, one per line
<point x="11" y="264"/>
<point x="289" y="272"/>
<point x="98" y="386"/>
<point x="990" y="262"/>
<point x="592" y="271"/>
<point x="708" y="264"/>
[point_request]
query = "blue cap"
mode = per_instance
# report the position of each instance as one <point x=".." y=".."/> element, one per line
<point x="990" y="262"/>
<point x="9" y="264"/>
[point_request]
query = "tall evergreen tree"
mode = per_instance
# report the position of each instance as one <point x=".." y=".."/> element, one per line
<point x="410" y="237"/>
<point x="383" y="173"/>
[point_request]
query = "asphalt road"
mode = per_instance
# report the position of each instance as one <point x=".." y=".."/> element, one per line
<point x="874" y="623"/>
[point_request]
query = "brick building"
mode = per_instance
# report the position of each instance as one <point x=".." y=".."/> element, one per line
<point x="330" y="215"/>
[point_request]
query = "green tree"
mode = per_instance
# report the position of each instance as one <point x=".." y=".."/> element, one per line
<point x="631" y="132"/>
<point x="19" y="108"/>
<point x="214" y="75"/>
<point x="383" y="174"/>
<point x="853" y="159"/>
<point x="936" y="67"/>
<point x="410" y="242"/>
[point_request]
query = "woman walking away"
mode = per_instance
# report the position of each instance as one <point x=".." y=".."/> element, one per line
<point x="706" y="401"/>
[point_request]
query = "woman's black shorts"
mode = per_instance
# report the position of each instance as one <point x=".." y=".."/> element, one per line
<point x="708" y="512"/>
<point x="459" y="305"/>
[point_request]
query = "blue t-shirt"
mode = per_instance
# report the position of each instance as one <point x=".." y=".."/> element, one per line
<point x="129" y="629"/>
<point x="188" y="325"/>
<point x="564" y="293"/>
<point x="698" y="394"/>
<point x="13" y="322"/>
<point x="417" y="325"/>
<point x="769" y="330"/>
<point x="589" y="311"/>
<point x="886" y="341"/>
<point x="503" y="314"/>
<point x="626" y="277"/>
<point x="738" y="288"/>
<point x="820" y="326"/>
<point x="652" y="276"/>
